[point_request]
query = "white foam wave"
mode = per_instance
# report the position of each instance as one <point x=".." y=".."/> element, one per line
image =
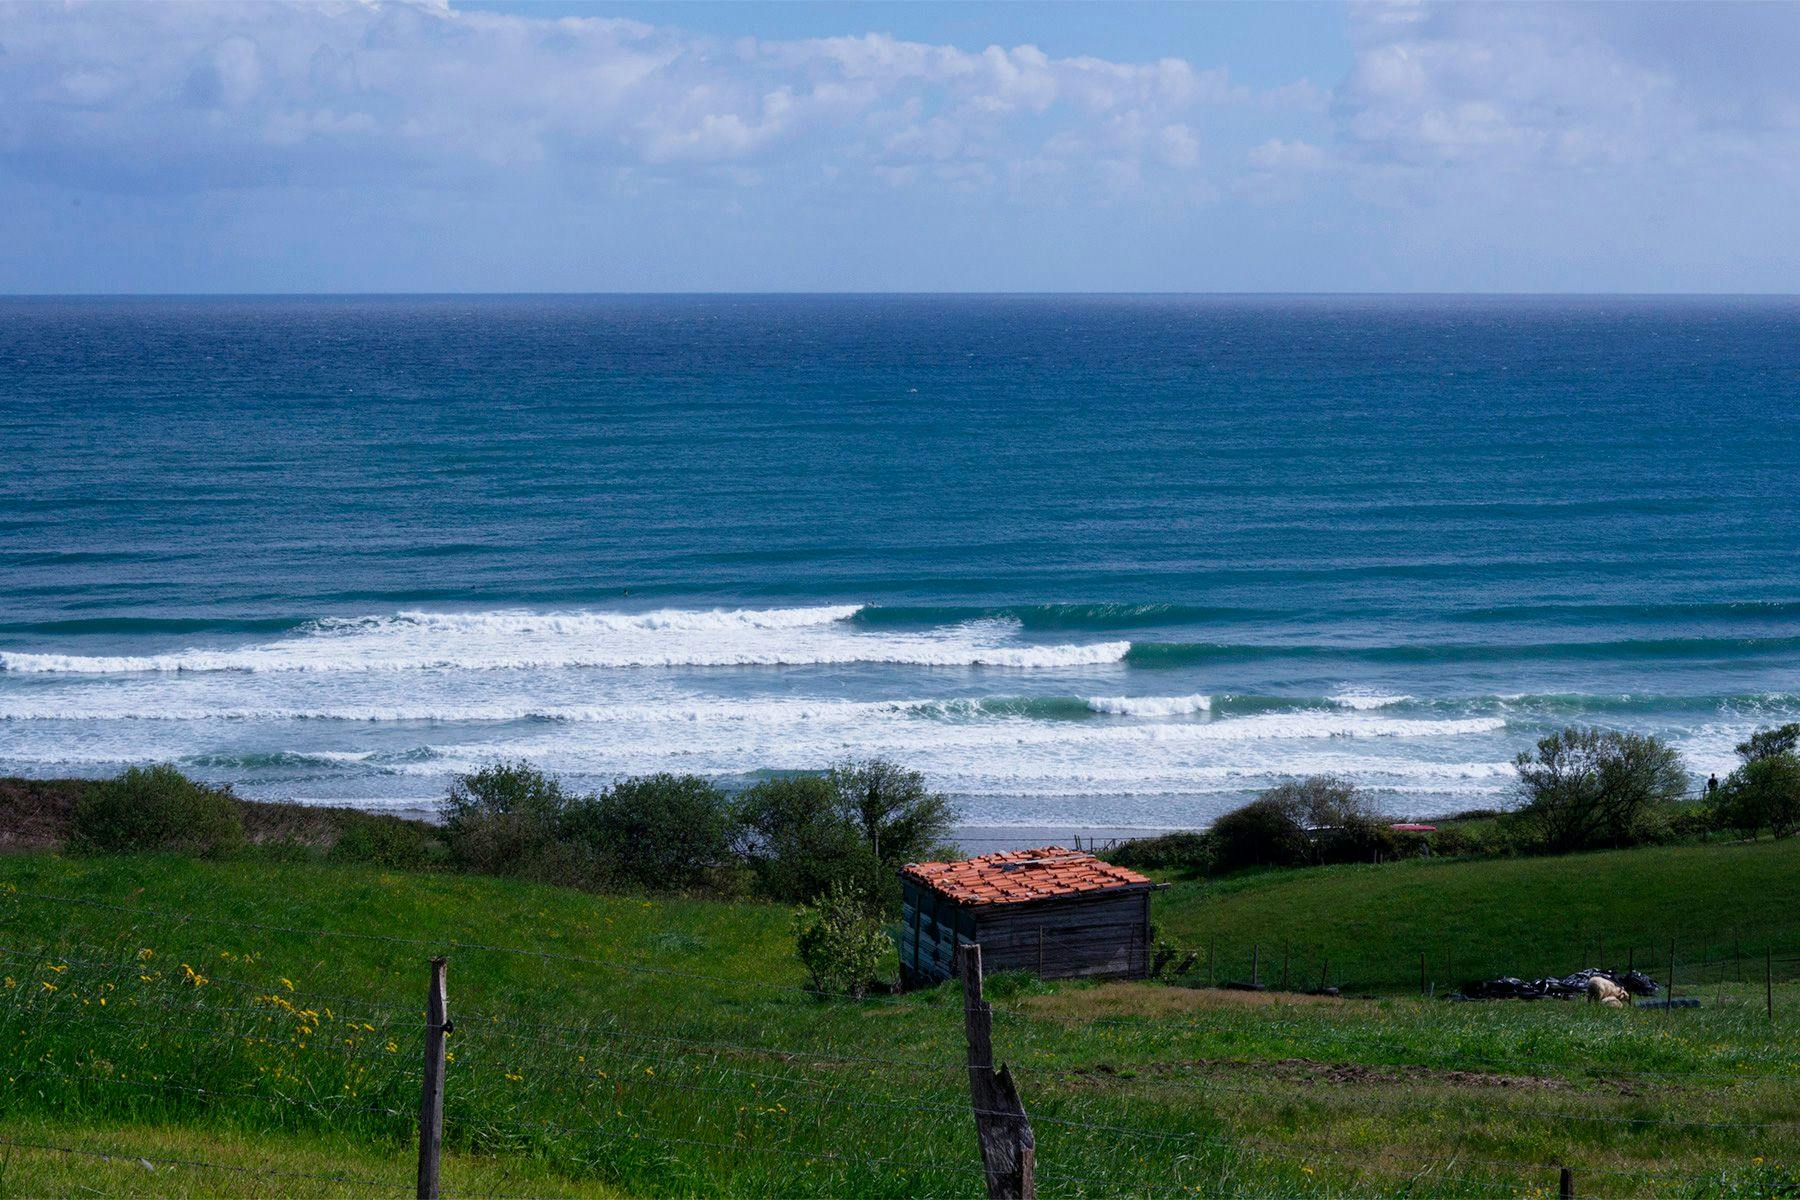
<point x="515" y="621"/>
<point x="516" y="640"/>
<point x="1149" y="706"/>
<point x="1363" y="701"/>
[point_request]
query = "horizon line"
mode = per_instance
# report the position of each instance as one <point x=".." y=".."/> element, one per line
<point x="1021" y="293"/>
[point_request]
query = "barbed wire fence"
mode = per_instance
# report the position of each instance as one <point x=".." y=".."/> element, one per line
<point x="1008" y="1160"/>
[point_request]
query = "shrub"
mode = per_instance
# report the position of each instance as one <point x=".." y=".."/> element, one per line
<point x="656" y="832"/>
<point x="901" y="819"/>
<point x="1592" y="789"/>
<point x="798" y="841"/>
<point x="1320" y="819"/>
<point x="1764" y="793"/>
<point x="1181" y="851"/>
<point x="1263" y="833"/>
<point x="1461" y="843"/>
<point x="157" y="808"/>
<point x="381" y="840"/>
<point x="841" y="941"/>
<point x="505" y="819"/>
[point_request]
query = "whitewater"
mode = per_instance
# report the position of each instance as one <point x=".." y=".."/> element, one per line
<point x="381" y="709"/>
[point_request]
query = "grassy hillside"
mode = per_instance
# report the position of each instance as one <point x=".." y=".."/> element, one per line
<point x="1722" y="905"/>
<point x="175" y="1010"/>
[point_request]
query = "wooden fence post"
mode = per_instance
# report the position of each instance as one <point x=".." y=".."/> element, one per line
<point x="1008" y="1150"/>
<point x="1769" y="982"/>
<point x="431" y="1099"/>
<point x="1422" y="988"/>
<point x="1565" y="1184"/>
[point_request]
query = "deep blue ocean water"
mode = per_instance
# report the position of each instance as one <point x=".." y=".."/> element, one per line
<point x="1084" y="561"/>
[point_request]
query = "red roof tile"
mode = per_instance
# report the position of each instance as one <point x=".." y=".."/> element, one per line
<point x="1015" y="876"/>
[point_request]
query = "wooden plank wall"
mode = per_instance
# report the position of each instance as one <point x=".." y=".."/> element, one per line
<point x="1106" y="936"/>
<point x="931" y="926"/>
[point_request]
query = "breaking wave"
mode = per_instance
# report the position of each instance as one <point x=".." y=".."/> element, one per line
<point x="515" y="640"/>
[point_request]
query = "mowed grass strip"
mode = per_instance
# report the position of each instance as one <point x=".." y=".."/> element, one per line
<point x="1722" y="906"/>
<point x="667" y="1047"/>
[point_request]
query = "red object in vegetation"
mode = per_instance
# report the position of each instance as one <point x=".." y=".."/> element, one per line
<point x="1406" y="827"/>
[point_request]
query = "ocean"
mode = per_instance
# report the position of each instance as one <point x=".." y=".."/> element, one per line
<point x="1086" y="562"/>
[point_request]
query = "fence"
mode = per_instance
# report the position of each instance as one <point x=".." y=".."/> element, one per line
<point x="600" y="1094"/>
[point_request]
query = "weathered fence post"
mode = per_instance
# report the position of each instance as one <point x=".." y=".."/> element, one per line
<point x="1769" y="982"/>
<point x="431" y="1100"/>
<point x="1422" y="988"/>
<point x="1285" y="948"/>
<point x="1255" y="964"/>
<point x="1565" y="1185"/>
<point x="1008" y="1150"/>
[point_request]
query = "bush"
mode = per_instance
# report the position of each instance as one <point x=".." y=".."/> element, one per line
<point x="381" y="840"/>
<point x="1311" y="821"/>
<point x="1764" y="793"/>
<point x="505" y="819"/>
<point x="1454" y="843"/>
<point x="1590" y="789"/>
<point x="1263" y="833"/>
<point x="841" y="941"/>
<point x="657" y="832"/>
<point x="798" y="841"/>
<point x="157" y="808"/>
<point x="1181" y="851"/>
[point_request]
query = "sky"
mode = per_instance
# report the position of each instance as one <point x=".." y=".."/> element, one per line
<point x="498" y="146"/>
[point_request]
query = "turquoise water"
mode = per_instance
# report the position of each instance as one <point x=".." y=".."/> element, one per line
<point x="1097" y="561"/>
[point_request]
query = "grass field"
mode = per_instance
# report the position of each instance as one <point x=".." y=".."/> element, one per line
<point x="1723" y="906"/>
<point x="183" y="1012"/>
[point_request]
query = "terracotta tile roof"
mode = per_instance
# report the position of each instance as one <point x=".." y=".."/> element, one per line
<point x="1014" y="876"/>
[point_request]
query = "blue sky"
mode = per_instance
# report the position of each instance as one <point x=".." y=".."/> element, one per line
<point x="504" y="146"/>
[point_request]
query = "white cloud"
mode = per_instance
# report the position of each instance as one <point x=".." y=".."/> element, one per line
<point x="1547" y="86"/>
<point x="192" y="96"/>
<point x="1279" y="155"/>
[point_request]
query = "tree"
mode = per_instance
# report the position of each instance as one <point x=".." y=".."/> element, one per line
<point x="1764" y="793"/>
<point x="1768" y="743"/>
<point x="1590" y="788"/>
<point x="798" y="840"/>
<point x="901" y="819"/>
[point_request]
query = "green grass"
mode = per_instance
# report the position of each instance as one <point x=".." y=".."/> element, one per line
<point x="1722" y="905"/>
<point x="693" y="1064"/>
<point x="51" y="1157"/>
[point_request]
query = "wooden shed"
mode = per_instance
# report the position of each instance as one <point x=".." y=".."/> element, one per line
<point x="1060" y="913"/>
